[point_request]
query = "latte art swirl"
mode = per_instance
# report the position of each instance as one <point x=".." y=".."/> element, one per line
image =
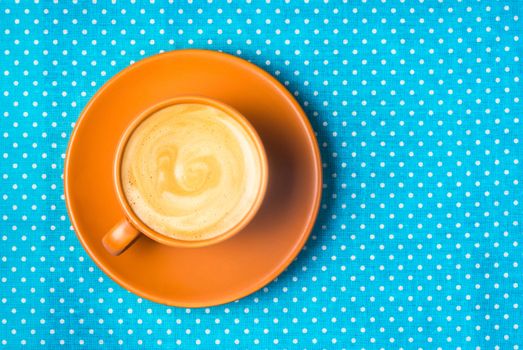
<point x="191" y="171"/>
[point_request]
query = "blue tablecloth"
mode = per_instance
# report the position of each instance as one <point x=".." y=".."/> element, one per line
<point x="417" y="108"/>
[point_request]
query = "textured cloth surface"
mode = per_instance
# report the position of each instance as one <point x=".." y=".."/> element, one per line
<point x="417" y="109"/>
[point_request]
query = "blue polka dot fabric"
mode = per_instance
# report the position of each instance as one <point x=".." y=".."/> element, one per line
<point x="417" y="108"/>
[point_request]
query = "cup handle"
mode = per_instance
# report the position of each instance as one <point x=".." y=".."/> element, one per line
<point x="120" y="237"/>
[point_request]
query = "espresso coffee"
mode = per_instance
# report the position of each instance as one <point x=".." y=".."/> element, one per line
<point x="191" y="171"/>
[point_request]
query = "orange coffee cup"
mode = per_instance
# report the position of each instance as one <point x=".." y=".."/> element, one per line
<point x="131" y="227"/>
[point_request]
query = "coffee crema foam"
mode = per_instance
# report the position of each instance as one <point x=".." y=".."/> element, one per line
<point x="191" y="171"/>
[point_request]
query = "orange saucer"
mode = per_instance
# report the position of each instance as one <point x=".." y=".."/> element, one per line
<point x="224" y="272"/>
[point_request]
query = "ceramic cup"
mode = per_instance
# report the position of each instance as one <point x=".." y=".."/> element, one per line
<point x="125" y="232"/>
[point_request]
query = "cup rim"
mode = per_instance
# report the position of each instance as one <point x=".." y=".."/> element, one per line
<point x="139" y="224"/>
